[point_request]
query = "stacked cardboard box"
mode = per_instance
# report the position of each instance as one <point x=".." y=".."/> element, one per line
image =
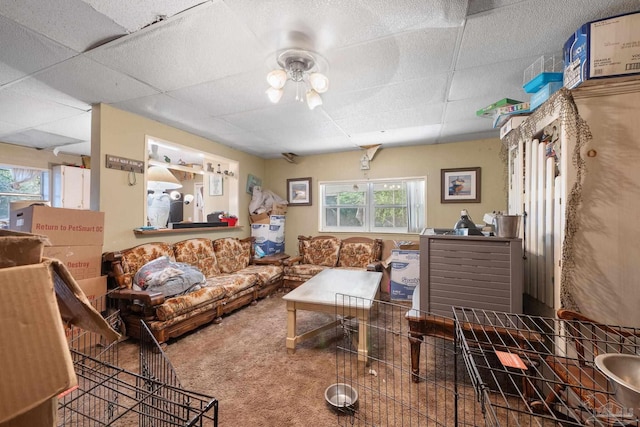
<point x="405" y="273"/>
<point x="603" y="48"/>
<point x="37" y="296"/>
<point x="76" y="238"/>
<point x="268" y="234"/>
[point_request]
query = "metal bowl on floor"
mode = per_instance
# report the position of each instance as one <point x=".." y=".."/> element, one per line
<point x="341" y="397"/>
<point x="623" y="373"/>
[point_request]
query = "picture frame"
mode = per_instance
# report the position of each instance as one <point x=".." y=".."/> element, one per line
<point x="460" y="185"/>
<point x="215" y="185"/>
<point x="252" y="181"/>
<point x="299" y="191"/>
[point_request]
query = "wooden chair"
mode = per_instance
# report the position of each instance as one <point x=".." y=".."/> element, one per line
<point x="579" y="340"/>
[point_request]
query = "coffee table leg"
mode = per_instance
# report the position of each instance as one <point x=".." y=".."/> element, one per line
<point x="291" y="327"/>
<point x="363" y="337"/>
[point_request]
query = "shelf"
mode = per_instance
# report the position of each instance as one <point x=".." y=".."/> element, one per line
<point x="177" y="167"/>
<point x="185" y="230"/>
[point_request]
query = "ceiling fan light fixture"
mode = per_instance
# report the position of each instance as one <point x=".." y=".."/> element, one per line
<point x="313" y="99"/>
<point x="274" y="94"/>
<point x="301" y="67"/>
<point x="277" y="78"/>
<point x="319" y="82"/>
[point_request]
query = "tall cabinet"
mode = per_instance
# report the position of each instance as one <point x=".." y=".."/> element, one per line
<point x="574" y="175"/>
<point x="71" y="187"/>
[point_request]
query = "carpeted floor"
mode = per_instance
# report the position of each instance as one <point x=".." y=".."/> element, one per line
<point x="243" y="362"/>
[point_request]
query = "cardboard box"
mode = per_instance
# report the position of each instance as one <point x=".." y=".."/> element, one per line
<point x="279" y="209"/>
<point x="95" y="290"/>
<point x="603" y="48"/>
<point x="405" y="273"/>
<point x="18" y="248"/>
<point x="35" y="302"/>
<point x="84" y="262"/>
<point x="489" y="110"/>
<point x="262" y="218"/>
<point x="511" y="124"/>
<point x="538" y="98"/>
<point x="62" y="226"/>
<point x="269" y="238"/>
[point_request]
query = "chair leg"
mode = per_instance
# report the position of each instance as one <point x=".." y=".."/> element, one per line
<point x="540" y="407"/>
<point x="415" y="340"/>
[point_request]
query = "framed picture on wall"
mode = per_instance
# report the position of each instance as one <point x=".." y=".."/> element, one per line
<point x="460" y="185"/>
<point x="252" y="181"/>
<point x="299" y="191"/>
<point x="215" y="185"/>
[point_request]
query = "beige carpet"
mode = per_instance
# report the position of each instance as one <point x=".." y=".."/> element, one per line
<point x="243" y="362"/>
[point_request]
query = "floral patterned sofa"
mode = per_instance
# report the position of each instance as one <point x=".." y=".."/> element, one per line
<point x="230" y="282"/>
<point x="321" y="252"/>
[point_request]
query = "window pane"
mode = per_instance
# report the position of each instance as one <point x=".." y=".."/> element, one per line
<point x="390" y="194"/>
<point x="331" y="217"/>
<point x="375" y="206"/>
<point x="391" y="217"/>
<point x="351" y="217"/>
<point x="18" y="184"/>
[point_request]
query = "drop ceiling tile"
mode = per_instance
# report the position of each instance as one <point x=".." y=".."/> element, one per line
<point x="503" y="80"/>
<point x="72" y="23"/>
<point x="77" y="127"/>
<point x="163" y="109"/>
<point x="91" y="82"/>
<point x="38" y="139"/>
<point x="228" y="95"/>
<point x="34" y="88"/>
<point x="399" y="137"/>
<point x="411" y="55"/>
<point x="526" y="28"/>
<point x="186" y="50"/>
<point x="322" y="25"/>
<point x="278" y="116"/>
<point x="381" y="122"/>
<point x="398" y="96"/>
<point x="9" y="128"/>
<point x="133" y="15"/>
<point x="295" y="134"/>
<point x="23" y="51"/>
<point x="23" y="110"/>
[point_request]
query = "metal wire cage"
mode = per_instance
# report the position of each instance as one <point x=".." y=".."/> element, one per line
<point x="414" y="376"/>
<point x="110" y="395"/>
<point x="537" y="371"/>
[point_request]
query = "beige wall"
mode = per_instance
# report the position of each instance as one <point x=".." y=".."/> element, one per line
<point x="425" y="160"/>
<point x="14" y="155"/>
<point x="120" y="133"/>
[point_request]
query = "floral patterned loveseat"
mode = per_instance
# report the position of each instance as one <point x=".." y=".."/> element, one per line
<point x="229" y="281"/>
<point x="321" y="252"/>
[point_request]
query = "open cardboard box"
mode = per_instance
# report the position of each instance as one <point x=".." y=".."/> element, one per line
<point x="37" y="298"/>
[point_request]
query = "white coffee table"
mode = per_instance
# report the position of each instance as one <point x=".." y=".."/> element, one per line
<point x="324" y="293"/>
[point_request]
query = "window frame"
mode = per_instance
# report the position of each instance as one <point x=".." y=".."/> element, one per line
<point x="44" y="195"/>
<point x="369" y="206"/>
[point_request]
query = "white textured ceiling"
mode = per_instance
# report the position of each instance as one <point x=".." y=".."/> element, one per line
<point x="402" y="72"/>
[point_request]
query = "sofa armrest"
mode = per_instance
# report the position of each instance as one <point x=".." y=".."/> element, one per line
<point x="148" y="298"/>
<point x="375" y="266"/>
<point x="292" y="260"/>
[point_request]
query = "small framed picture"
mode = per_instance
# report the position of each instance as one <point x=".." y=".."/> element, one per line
<point x="460" y="185"/>
<point x="215" y="185"/>
<point x="253" y="181"/>
<point x="299" y="191"/>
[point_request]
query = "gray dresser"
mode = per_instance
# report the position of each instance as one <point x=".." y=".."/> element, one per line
<point x="470" y="271"/>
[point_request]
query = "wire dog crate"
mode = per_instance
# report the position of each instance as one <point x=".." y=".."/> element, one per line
<point x="108" y="395"/>
<point x="390" y="393"/>
<point x="535" y="371"/>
